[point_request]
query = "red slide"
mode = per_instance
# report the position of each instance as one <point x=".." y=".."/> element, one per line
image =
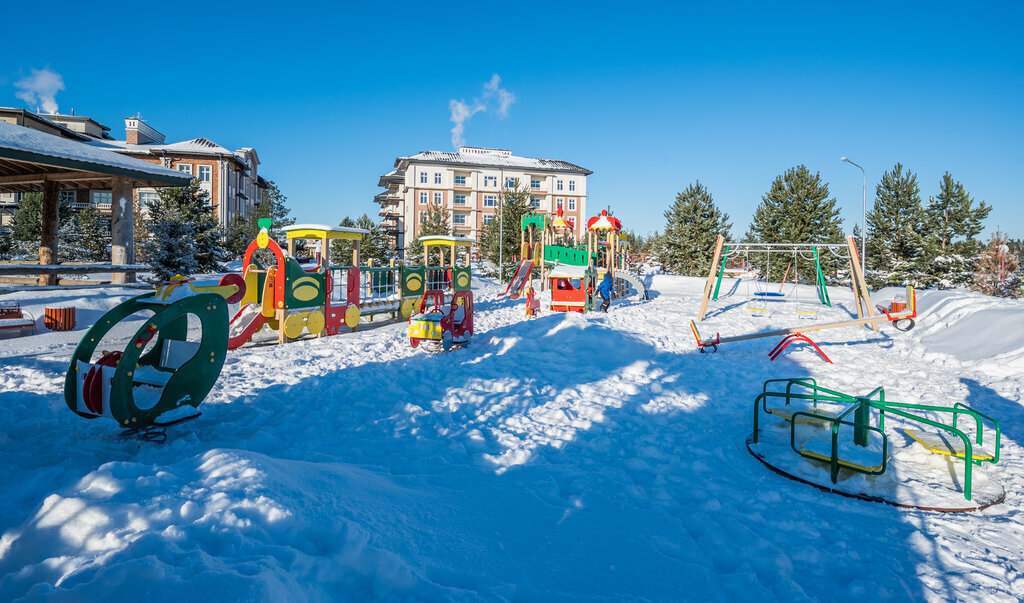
<point x="248" y="331"/>
<point x="519" y="278"/>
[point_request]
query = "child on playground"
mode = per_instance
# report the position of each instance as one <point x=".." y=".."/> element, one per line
<point x="606" y="289"/>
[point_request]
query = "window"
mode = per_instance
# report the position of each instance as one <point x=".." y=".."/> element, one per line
<point x="423" y="177"/>
<point x="147" y="198"/>
<point x="206" y="173"/>
<point x="488" y="219"/>
<point x="490" y="181"/>
<point x="559" y="202"/>
<point x="534" y="182"/>
<point x="423" y="197"/>
<point x="558" y="185"/>
<point x="437" y="177"/>
<point x="490" y="200"/>
<point x="67" y="197"/>
<point x="102" y="199"/>
<point x="460" y="199"/>
<point x="423" y="217"/>
<point x="460" y="180"/>
<point x="459" y="219"/>
<point x="535" y="202"/>
<point x="185" y="167"/>
<point x="437" y="198"/>
<point x="572" y="204"/>
<point x="511" y="182"/>
<point x="572" y="185"/>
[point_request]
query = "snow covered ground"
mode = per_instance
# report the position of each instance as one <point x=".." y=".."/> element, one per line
<point x="565" y="458"/>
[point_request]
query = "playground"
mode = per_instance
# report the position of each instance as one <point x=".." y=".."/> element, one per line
<point x="567" y="456"/>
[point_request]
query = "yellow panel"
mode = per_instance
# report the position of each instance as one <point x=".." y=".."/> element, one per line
<point x="941" y="444"/>
<point x="315" y="233"/>
<point x="251" y="294"/>
<point x="447" y="243"/>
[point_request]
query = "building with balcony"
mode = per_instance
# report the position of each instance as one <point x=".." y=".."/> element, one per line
<point x="469" y="184"/>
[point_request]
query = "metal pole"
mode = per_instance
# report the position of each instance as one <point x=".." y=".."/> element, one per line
<point x="863" y="218"/>
<point x="501" y="225"/>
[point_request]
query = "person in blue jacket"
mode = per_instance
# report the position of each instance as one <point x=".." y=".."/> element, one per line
<point x="606" y="289"/>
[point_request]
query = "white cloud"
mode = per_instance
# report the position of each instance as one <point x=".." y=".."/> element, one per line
<point x="40" y="89"/>
<point x="494" y="99"/>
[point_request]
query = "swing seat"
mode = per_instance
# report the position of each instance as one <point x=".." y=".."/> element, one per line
<point x="770" y="294"/>
<point x="941" y="443"/>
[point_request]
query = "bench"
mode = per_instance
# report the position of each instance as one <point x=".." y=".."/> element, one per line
<point x="14" y="318"/>
<point x="787" y="414"/>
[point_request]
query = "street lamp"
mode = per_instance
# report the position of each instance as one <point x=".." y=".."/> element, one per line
<point x="863" y="217"/>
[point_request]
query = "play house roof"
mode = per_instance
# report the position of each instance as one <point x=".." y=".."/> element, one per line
<point x="567" y="271"/>
<point x="446" y="240"/>
<point x="604" y="222"/>
<point x="322" y="231"/>
<point x="561" y="222"/>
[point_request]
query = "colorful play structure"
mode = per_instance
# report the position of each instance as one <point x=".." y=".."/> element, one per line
<point x="571" y="271"/>
<point x="290" y="299"/>
<point x="168" y="368"/>
<point x="900" y="312"/>
<point x="823" y="424"/>
<point x="433" y="319"/>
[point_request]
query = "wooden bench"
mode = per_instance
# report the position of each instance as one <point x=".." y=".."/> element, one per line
<point x="12" y="317"/>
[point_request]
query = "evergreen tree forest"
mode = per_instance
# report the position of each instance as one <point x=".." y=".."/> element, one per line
<point x="373" y="245"/>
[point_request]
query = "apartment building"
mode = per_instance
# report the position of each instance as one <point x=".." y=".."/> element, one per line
<point x="469" y="184"/>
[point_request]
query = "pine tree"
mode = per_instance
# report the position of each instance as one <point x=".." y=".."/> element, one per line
<point x="693" y="226"/>
<point x="184" y="237"/>
<point x="952" y="222"/>
<point x="28" y="219"/>
<point x="996" y="271"/>
<point x="6" y="244"/>
<point x="272" y="204"/>
<point x="500" y="239"/>
<point x="435" y="222"/>
<point x="96" y="235"/>
<point x="372" y="246"/>
<point x="71" y="242"/>
<point x="237" y="237"/>
<point x="896" y="246"/>
<point x="796" y="209"/>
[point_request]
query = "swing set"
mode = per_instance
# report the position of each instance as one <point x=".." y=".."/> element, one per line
<point x="763" y="293"/>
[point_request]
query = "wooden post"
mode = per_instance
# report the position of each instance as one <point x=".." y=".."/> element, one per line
<point x="281" y="337"/>
<point x="426" y="254"/>
<point x="355" y="253"/>
<point x="48" y="237"/>
<point x="709" y="285"/>
<point x="122" y="228"/>
<point x="860" y="287"/>
<point x="325" y="252"/>
<point x="291" y="247"/>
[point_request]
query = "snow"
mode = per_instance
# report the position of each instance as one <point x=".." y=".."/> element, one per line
<point x="568" y="457"/>
<point x="325" y="228"/>
<point x="498" y="158"/>
<point x="26" y="139"/>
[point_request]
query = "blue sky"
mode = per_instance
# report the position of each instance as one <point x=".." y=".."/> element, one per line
<point x="651" y="97"/>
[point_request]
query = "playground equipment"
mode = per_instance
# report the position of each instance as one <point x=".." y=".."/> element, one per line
<point x="819" y="431"/>
<point x="446" y="324"/>
<point x="901" y="314"/>
<point x="563" y="268"/>
<point x="15" y="320"/>
<point x="319" y="300"/>
<point x="433" y="319"/>
<point x="149" y="382"/>
<point x="792" y="254"/>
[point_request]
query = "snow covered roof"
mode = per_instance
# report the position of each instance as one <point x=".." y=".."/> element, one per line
<point x="318" y="231"/>
<point x="438" y="239"/>
<point x="196" y="146"/>
<point x="30" y="152"/>
<point x="472" y="156"/>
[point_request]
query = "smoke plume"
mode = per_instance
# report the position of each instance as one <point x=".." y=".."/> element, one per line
<point x="40" y="89"/>
<point x="494" y="99"/>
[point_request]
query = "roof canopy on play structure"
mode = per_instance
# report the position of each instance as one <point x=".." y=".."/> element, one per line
<point x="561" y="223"/>
<point x="604" y="222"/>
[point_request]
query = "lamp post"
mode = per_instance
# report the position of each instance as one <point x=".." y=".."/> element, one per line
<point x="863" y="217"/>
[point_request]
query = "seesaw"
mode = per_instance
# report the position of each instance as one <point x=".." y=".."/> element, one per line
<point x="901" y="317"/>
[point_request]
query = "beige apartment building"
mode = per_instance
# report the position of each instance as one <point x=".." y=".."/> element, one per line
<point x="469" y="184"/>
